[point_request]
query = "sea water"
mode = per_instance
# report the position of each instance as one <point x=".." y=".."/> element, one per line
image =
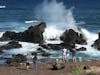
<point x="59" y="15"/>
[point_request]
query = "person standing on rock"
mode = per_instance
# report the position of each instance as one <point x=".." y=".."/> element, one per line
<point x="28" y="61"/>
<point x="64" y="55"/>
<point x="73" y="54"/>
<point x="35" y="62"/>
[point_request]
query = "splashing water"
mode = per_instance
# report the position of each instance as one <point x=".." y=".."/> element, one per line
<point x="1" y="34"/>
<point x="90" y="37"/>
<point x="91" y="52"/>
<point x="57" y="17"/>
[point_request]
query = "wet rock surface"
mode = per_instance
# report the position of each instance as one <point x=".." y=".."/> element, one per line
<point x="71" y="37"/>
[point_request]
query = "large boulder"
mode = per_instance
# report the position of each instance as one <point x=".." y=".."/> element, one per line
<point x="96" y="43"/>
<point x="8" y="35"/>
<point x="70" y="37"/>
<point x="34" y="34"/>
<point x="10" y="45"/>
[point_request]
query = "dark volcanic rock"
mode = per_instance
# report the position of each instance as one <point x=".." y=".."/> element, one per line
<point x="96" y="43"/>
<point x="34" y="53"/>
<point x="40" y="50"/>
<point x="46" y="54"/>
<point x="33" y="34"/>
<point x="43" y="52"/>
<point x="71" y="37"/>
<point x="16" y="59"/>
<point x="8" y="35"/>
<point x="45" y="46"/>
<point x="10" y="45"/>
<point x="81" y="49"/>
<point x="99" y="35"/>
<point x="1" y="51"/>
<point x="53" y="46"/>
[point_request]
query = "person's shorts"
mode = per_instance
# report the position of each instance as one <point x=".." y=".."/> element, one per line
<point x="64" y="54"/>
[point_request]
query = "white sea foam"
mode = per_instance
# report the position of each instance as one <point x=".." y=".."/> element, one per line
<point x="1" y="33"/>
<point x="26" y="47"/>
<point x="57" y="17"/>
<point x="31" y="21"/>
<point x="52" y="33"/>
<point x="3" y="43"/>
<point x="2" y="6"/>
<point x="90" y="37"/>
<point x="53" y="41"/>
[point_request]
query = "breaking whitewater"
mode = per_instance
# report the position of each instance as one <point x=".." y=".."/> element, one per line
<point x="57" y="19"/>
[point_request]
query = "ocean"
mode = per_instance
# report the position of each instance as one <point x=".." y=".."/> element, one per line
<point x="59" y="15"/>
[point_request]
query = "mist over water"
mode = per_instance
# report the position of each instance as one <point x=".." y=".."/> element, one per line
<point x="57" y="18"/>
<point x="91" y="52"/>
<point x="55" y="14"/>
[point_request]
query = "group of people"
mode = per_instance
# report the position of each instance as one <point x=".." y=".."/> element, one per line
<point x="34" y="61"/>
<point x="66" y="52"/>
<point x="59" y="64"/>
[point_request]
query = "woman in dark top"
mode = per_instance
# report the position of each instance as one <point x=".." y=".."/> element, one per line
<point x="35" y="61"/>
<point x="73" y="54"/>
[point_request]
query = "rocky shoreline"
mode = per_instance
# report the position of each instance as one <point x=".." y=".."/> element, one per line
<point x="44" y="68"/>
<point x="34" y="34"/>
